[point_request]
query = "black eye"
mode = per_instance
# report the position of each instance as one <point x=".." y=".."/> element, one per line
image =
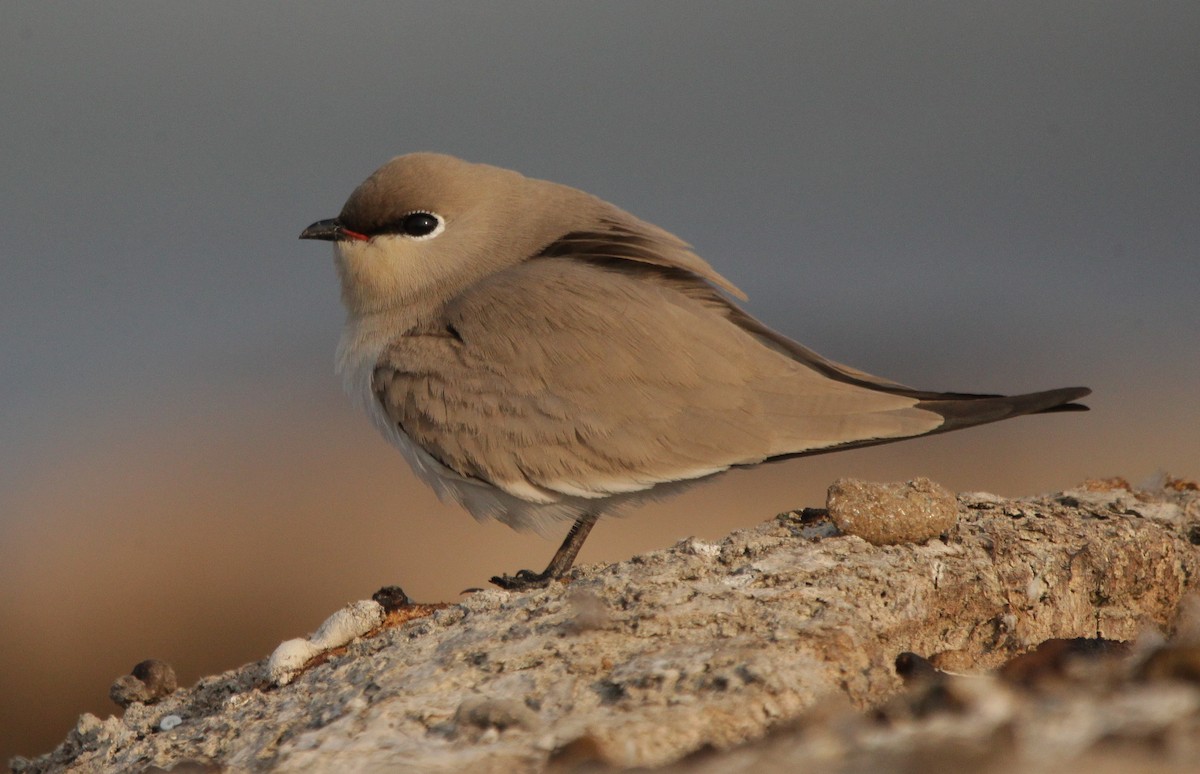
<point x="419" y="224"/>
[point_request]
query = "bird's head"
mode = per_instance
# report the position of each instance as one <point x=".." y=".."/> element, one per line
<point x="424" y="226"/>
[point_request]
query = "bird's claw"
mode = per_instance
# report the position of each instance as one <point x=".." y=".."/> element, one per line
<point x="522" y="581"/>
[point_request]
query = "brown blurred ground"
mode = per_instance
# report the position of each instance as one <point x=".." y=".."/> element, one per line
<point x="205" y="540"/>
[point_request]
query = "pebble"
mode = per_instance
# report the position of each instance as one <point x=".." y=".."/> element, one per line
<point x="888" y="514"/>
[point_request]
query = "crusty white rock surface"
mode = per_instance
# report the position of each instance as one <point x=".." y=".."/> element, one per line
<point x="699" y="646"/>
<point x="352" y="621"/>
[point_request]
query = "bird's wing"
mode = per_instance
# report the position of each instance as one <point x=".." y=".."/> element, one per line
<point x="622" y="243"/>
<point x="562" y="377"/>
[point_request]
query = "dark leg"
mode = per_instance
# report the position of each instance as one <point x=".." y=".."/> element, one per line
<point x="564" y="557"/>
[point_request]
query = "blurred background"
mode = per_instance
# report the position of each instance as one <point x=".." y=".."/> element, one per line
<point x="989" y="197"/>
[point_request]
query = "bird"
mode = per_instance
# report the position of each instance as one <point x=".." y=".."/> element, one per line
<point x="539" y="355"/>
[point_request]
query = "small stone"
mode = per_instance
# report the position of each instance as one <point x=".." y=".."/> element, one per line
<point x="392" y="598"/>
<point x="150" y="681"/>
<point x="169" y="722"/>
<point x="887" y="514"/>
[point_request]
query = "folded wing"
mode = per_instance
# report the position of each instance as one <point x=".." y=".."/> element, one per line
<point x="563" y="377"/>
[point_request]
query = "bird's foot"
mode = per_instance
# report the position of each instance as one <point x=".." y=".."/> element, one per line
<point x="523" y="580"/>
<point x="564" y="557"/>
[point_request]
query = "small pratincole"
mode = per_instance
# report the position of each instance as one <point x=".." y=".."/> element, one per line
<point x="538" y="354"/>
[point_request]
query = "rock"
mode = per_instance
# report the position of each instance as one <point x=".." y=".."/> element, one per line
<point x="353" y="620"/>
<point x="774" y="649"/>
<point x="170" y="722"/>
<point x="148" y="682"/>
<point x="887" y="514"/>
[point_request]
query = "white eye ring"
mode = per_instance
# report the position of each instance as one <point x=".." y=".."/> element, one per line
<point x="415" y="225"/>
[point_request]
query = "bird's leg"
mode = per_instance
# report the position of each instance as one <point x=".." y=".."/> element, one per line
<point x="564" y="557"/>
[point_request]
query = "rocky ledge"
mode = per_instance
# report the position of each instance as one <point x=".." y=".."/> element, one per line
<point x="1031" y="632"/>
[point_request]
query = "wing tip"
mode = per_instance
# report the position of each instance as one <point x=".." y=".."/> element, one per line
<point x="960" y="412"/>
<point x="1066" y="397"/>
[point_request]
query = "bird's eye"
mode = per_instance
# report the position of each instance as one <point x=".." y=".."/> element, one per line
<point x="421" y="225"/>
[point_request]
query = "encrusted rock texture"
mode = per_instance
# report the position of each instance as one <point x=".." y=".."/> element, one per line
<point x="772" y="649"/>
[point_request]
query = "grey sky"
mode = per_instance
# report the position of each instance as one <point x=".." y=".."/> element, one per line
<point x="1000" y="196"/>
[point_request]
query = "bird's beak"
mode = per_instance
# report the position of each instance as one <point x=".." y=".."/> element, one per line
<point x="331" y="231"/>
<point x="328" y="230"/>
